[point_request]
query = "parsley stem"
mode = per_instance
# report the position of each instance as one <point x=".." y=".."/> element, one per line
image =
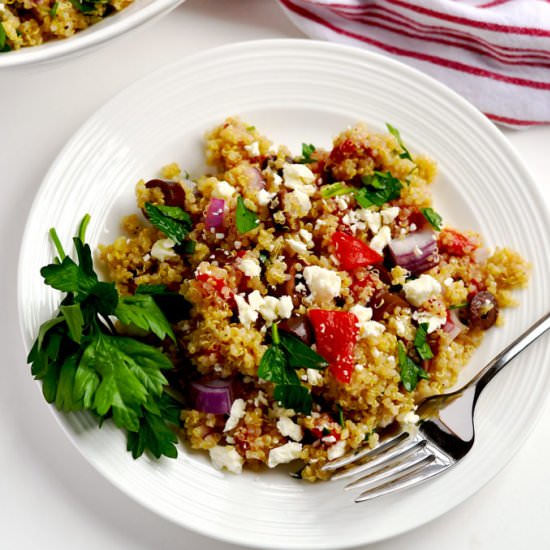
<point x="57" y="243"/>
<point x="83" y="226"/>
<point x="275" y="334"/>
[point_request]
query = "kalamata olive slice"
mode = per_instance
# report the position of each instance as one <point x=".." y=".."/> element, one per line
<point x="383" y="302"/>
<point x="174" y="195"/>
<point x="383" y="273"/>
<point x="300" y="327"/>
<point x="483" y="310"/>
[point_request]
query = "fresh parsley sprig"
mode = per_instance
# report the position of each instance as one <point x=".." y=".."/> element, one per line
<point x="307" y="150"/>
<point x="433" y="218"/>
<point x="421" y="342"/>
<point x="395" y="132"/>
<point x="285" y="354"/>
<point x="173" y="221"/>
<point x="84" y="364"/>
<point x="409" y="370"/>
<point x="245" y="219"/>
<point x="379" y="188"/>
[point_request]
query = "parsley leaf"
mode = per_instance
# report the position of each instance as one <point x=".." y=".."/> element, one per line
<point x="4" y="46"/>
<point x="277" y="365"/>
<point x="142" y="311"/>
<point x="300" y="355"/>
<point x="307" y="150"/>
<point x="421" y="342"/>
<point x="336" y="189"/>
<point x="84" y="365"/>
<point x="409" y="370"/>
<point x="380" y="188"/>
<point x="172" y="304"/>
<point x="395" y="132"/>
<point x="173" y="221"/>
<point x="246" y="220"/>
<point x="433" y="218"/>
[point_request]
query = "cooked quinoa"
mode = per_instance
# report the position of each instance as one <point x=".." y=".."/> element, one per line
<point x="319" y="263"/>
<point x="32" y="22"/>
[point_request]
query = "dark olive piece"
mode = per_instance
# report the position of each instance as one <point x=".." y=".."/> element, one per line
<point x="173" y="192"/>
<point x="483" y="310"/>
<point x="383" y="302"/>
<point x="300" y="327"/>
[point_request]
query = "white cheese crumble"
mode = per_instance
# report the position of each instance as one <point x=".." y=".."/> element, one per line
<point x="253" y="149"/>
<point x="288" y="428"/>
<point x="337" y="450"/>
<point x="364" y="324"/>
<point x="264" y="197"/>
<point x="411" y="418"/>
<point x="419" y="290"/>
<point x="223" y="190"/>
<point x="323" y="283"/>
<point x="163" y="249"/>
<point x="433" y="321"/>
<point x="285" y="307"/>
<point x="250" y="266"/>
<point x="373" y="219"/>
<point x="298" y="246"/>
<point x="237" y="411"/>
<point x="314" y="377"/>
<point x="381" y="239"/>
<point x="226" y="457"/>
<point x="285" y="453"/>
<point x="389" y="214"/>
<point x="247" y="314"/>
<point x="298" y="203"/>
<point x="299" y="176"/>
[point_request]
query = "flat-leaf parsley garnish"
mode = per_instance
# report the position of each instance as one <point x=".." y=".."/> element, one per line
<point x="173" y="221"/>
<point x="379" y="188"/>
<point x="245" y="219"/>
<point x="421" y="342"/>
<point x="432" y="217"/>
<point x="285" y="354"/>
<point x="395" y="133"/>
<point x="409" y="370"/>
<point x="84" y="364"/>
<point x="307" y="150"/>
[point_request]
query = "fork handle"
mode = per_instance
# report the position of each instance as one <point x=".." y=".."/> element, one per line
<point x="507" y="354"/>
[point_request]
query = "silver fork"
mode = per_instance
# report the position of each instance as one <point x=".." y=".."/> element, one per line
<point x="441" y="438"/>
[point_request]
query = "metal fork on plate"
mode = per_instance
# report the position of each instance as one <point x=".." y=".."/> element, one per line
<point x="442" y="437"/>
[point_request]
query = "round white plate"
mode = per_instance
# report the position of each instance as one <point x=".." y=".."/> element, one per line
<point x="141" y="12"/>
<point x="297" y="91"/>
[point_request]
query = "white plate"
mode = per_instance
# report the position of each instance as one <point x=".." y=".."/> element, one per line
<point x="141" y="12"/>
<point x="297" y="91"/>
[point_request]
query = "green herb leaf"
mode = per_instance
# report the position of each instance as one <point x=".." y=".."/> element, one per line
<point x="300" y="355"/>
<point x="173" y="228"/>
<point x="421" y="342"/>
<point x="142" y="311"/>
<point x="433" y="218"/>
<point x="68" y="277"/>
<point x="273" y="365"/>
<point x="176" y="213"/>
<point x="74" y="319"/>
<point x="341" y="419"/>
<point x="172" y="304"/>
<point x="458" y="306"/>
<point x="4" y="46"/>
<point x="409" y="370"/>
<point x="336" y="189"/>
<point x="294" y="396"/>
<point x="246" y="220"/>
<point x="395" y="132"/>
<point x="380" y="188"/>
<point x="307" y="150"/>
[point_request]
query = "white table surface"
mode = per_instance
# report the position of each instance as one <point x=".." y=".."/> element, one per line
<point x="50" y="497"/>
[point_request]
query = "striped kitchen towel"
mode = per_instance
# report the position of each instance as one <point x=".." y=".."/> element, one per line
<point x="494" y="53"/>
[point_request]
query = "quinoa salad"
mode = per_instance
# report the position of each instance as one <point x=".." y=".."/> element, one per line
<point x="32" y="22"/>
<point x="280" y="308"/>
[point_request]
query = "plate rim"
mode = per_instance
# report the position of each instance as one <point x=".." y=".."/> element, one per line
<point x="228" y="49"/>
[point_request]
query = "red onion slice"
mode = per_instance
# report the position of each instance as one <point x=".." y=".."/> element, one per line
<point x="417" y="252"/>
<point x="453" y="326"/>
<point x="255" y="179"/>
<point x="215" y="214"/>
<point x="213" y="397"/>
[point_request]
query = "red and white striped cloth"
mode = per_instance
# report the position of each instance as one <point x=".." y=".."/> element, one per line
<point x="494" y="53"/>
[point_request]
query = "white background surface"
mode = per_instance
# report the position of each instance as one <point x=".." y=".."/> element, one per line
<point x="49" y="496"/>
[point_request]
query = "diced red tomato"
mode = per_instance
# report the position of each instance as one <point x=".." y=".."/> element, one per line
<point x="336" y="335"/>
<point x="352" y="252"/>
<point x="319" y="434"/>
<point x="455" y="243"/>
<point x="219" y="286"/>
<point x="344" y="150"/>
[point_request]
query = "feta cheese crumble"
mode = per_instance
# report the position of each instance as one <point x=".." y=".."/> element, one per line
<point x="250" y="266"/>
<point x="433" y="321"/>
<point x="285" y="453"/>
<point x="323" y="283"/>
<point x="226" y="457"/>
<point x="223" y="190"/>
<point x="238" y="408"/>
<point x="422" y="289"/>
<point x="288" y="428"/>
<point x="163" y="249"/>
<point x="381" y="239"/>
